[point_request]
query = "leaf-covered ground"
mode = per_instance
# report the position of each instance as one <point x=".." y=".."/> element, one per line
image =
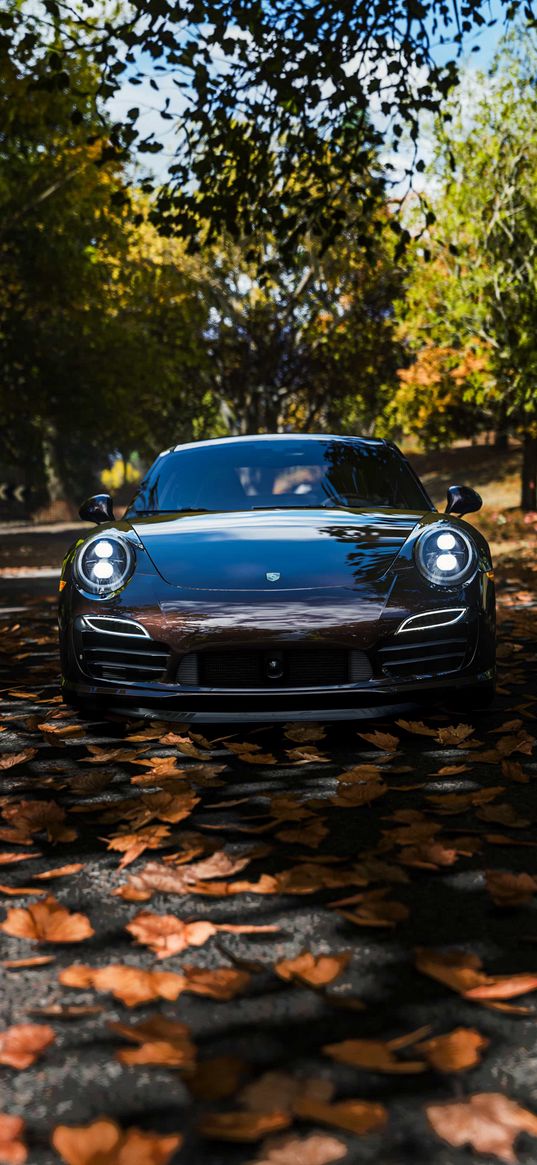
<point x="286" y="947"/>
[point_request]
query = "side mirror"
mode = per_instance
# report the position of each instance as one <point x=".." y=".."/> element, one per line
<point x="461" y="499"/>
<point x="97" y="509"/>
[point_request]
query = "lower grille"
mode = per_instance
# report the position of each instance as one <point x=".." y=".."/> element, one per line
<point x="127" y="658"/>
<point x="423" y="657"/>
<point x="280" y="668"/>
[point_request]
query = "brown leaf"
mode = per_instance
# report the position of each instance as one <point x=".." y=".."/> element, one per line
<point x="359" y="794"/>
<point x="462" y="972"/>
<point x="22" y="1044"/>
<point x="354" y="1116"/>
<point x="311" y="834"/>
<point x="47" y="922"/>
<point x="216" y="983"/>
<point x="488" y="1121"/>
<point x="373" y="910"/>
<point x="104" y="1143"/>
<point x="215" y="1079"/>
<point x="132" y="844"/>
<point x="33" y="961"/>
<point x="417" y="727"/>
<point x="242" y="1126"/>
<point x="304" y="733"/>
<point x="156" y="877"/>
<point x="17" y="758"/>
<point x="13" y="1150"/>
<point x="160" y="1041"/>
<point x="279" y="1091"/>
<point x="31" y="817"/>
<point x="7" y="859"/>
<point x="503" y="815"/>
<point x="455" y="734"/>
<point x="513" y="771"/>
<point x="456" y="1051"/>
<point x="60" y="871"/>
<point x="508" y="889"/>
<point x="314" y="970"/>
<point x="167" y="935"/>
<point x="315" y="1149"/>
<point x="376" y="1055"/>
<point x="131" y="985"/>
<point x="21" y="891"/>
<point x="384" y="740"/>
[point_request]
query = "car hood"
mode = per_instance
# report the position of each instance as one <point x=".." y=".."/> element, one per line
<point x="304" y="549"/>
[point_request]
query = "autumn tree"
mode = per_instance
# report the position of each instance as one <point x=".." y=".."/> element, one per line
<point x="100" y="326"/>
<point x="242" y="84"/>
<point x="469" y="323"/>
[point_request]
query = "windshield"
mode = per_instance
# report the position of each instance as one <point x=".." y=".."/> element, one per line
<point x="268" y="474"/>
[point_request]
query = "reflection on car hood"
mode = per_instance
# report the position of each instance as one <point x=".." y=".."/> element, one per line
<point x="305" y="549"/>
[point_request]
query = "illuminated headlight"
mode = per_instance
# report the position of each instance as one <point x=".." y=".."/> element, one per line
<point x="104" y="564"/>
<point x="445" y="556"/>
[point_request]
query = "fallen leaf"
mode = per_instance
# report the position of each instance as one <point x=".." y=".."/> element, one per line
<point x="167" y="935"/>
<point x="13" y="1150"/>
<point x="383" y="740"/>
<point x="22" y="1044"/>
<point x="156" y="877"/>
<point x="462" y="972"/>
<point x="417" y="727"/>
<point x="456" y="1051"/>
<point x="509" y="890"/>
<point x="17" y="758"/>
<point x="488" y="1121"/>
<point x="374" y="910"/>
<point x="132" y="985"/>
<point x="215" y="1079"/>
<point x="33" y="961"/>
<point x="48" y="922"/>
<point x="60" y="872"/>
<point x="216" y="983"/>
<point x="304" y="733"/>
<point x="354" y="1116"/>
<point x="278" y="1091"/>
<point x="160" y="1041"/>
<point x="315" y="1149"/>
<point x="132" y="844"/>
<point x="377" y="1055"/>
<point x="314" y="970"/>
<point x="242" y="1126"/>
<point x="455" y="734"/>
<point x="8" y="858"/>
<point x="104" y="1143"/>
<point x="503" y="814"/>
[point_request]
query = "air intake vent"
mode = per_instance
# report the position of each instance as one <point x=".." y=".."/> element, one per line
<point x="423" y="657"/>
<point x="125" y="658"/>
<point x="279" y="668"/>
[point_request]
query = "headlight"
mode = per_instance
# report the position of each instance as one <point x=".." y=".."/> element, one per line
<point x="445" y="555"/>
<point x="104" y="564"/>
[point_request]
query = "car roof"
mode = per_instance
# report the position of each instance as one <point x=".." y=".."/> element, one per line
<point x="280" y="437"/>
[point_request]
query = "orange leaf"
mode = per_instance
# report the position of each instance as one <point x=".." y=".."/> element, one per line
<point x="315" y="1149"/>
<point x="13" y="1151"/>
<point x="131" y="985"/>
<point x="315" y="970"/>
<point x="243" y="1126"/>
<point x="354" y="1116"/>
<point x="488" y="1121"/>
<point x="47" y="922"/>
<point x="104" y="1143"/>
<point x="456" y="1051"/>
<point x="508" y="889"/>
<point x="160" y="1040"/>
<point x="22" y="1044"/>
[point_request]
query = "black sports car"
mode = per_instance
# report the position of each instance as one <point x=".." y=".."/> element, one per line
<point x="278" y="578"/>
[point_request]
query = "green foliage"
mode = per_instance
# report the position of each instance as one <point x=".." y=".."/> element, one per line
<point x="262" y="90"/>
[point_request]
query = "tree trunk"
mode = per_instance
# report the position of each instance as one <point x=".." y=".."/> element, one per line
<point x="53" y="481"/>
<point x="528" y="499"/>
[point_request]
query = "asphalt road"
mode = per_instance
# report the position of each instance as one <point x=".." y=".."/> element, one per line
<point x="312" y="829"/>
